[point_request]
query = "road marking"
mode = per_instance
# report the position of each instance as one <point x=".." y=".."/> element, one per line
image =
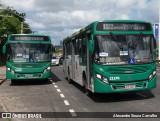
<point x="66" y="102"/>
<point x="72" y="112"/>
<point x="3" y="106"/>
<point x="62" y="96"/>
<point x="55" y="86"/>
<point x="58" y="90"/>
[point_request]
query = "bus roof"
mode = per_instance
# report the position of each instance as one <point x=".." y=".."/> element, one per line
<point x="96" y="22"/>
<point x="28" y="34"/>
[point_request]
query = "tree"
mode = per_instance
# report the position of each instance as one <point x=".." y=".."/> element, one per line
<point x="10" y="23"/>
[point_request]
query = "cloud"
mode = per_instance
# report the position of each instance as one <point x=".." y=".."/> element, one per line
<point x="60" y="18"/>
<point x="22" y="5"/>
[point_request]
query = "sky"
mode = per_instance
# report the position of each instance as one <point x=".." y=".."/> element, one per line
<point x="61" y="18"/>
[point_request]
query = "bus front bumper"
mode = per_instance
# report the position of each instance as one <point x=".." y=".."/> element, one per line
<point x="101" y="87"/>
<point x="21" y="76"/>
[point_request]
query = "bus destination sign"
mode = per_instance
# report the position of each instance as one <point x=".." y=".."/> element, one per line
<point x="114" y="26"/>
<point x="28" y="38"/>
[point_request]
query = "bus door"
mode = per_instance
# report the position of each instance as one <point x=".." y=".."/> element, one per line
<point x="72" y="60"/>
<point x="90" y="83"/>
<point x="65" y="59"/>
<point x="77" y="73"/>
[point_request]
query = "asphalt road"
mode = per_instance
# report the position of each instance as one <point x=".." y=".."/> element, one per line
<point x="58" y="96"/>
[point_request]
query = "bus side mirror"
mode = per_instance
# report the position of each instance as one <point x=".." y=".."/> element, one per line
<point x="54" y="49"/>
<point x="4" y="49"/>
<point x="91" y="45"/>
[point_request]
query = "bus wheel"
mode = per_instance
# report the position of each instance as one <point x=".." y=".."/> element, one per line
<point x="13" y="81"/>
<point x="88" y="92"/>
<point x="45" y="81"/>
<point x="69" y="78"/>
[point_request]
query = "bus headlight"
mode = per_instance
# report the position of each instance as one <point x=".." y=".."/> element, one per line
<point x="10" y="70"/>
<point x="102" y="78"/>
<point x="47" y="69"/>
<point x="151" y="75"/>
<point x="99" y="76"/>
<point x="105" y="80"/>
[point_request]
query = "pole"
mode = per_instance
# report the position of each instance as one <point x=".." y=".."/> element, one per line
<point x="21" y="27"/>
<point x="158" y="35"/>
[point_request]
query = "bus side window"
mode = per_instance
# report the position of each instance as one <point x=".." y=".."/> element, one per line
<point x="80" y="46"/>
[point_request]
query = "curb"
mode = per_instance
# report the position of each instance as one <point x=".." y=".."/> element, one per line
<point x="2" y="80"/>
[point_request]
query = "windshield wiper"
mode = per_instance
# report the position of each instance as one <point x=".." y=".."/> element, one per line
<point x="115" y="39"/>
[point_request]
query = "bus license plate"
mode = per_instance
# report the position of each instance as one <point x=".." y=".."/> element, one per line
<point x="130" y="86"/>
<point x="29" y="75"/>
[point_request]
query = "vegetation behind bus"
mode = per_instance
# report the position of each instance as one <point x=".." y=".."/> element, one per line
<point x="10" y="21"/>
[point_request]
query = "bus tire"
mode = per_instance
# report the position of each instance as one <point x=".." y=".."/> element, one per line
<point x="88" y="92"/>
<point x="45" y="81"/>
<point x="13" y="81"/>
<point x="69" y="78"/>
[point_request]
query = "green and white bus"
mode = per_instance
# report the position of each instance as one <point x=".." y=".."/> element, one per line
<point x="112" y="56"/>
<point x="28" y="57"/>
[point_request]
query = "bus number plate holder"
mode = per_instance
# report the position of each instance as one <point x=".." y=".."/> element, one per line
<point x="130" y="86"/>
<point x="28" y="75"/>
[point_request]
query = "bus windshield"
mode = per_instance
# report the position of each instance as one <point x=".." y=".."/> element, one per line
<point x="20" y="52"/>
<point x="124" y="49"/>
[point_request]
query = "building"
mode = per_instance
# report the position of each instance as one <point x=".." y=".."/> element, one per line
<point x="58" y="50"/>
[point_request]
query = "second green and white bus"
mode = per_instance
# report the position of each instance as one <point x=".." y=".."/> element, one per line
<point x="112" y="56"/>
<point x="28" y="57"/>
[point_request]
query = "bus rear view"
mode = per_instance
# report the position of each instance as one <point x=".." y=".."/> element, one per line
<point x="28" y="57"/>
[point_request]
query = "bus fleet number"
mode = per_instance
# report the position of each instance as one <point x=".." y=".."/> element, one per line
<point x="114" y="78"/>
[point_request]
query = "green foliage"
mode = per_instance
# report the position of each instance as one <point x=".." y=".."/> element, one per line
<point x="10" y="23"/>
<point x="10" y="26"/>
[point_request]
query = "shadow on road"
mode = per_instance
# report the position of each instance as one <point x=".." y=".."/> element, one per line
<point x="119" y="97"/>
<point x="55" y="78"/>
<point x="30" y="82"/>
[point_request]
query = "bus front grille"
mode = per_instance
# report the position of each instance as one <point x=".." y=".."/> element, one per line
<point x="127" y="70"/>
<point x="120" y="86"/>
